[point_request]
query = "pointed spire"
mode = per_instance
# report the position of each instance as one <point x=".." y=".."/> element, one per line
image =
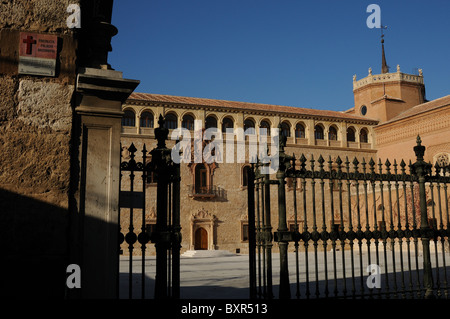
<point x="384" y="66"/>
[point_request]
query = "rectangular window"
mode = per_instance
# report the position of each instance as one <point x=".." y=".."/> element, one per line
<point x="244" y="232"/>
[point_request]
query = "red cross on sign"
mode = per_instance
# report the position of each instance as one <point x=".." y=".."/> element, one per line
<point x="29" y="42"/>
<point x="44" y="46"/>
<point x="38" y="53"/>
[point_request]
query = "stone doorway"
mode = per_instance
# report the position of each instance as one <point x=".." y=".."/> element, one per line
<point x="203" y="231"/>
<point x="201" y="239"/>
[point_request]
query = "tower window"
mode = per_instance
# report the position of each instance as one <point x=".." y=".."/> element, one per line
<point x="363" y="110"/>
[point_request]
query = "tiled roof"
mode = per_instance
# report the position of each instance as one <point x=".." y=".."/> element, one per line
<point x="158" y="98"/>
<point x="422" y="108"/>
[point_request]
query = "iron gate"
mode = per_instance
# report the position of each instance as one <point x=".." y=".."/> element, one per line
<point x="359" y="229"/>
<point x="156" y="167"/>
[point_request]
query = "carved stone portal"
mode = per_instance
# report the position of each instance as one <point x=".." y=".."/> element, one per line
<point x="203" y="231"/>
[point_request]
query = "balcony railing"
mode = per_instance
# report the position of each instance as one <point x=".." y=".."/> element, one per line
<point x="207" y="192"/>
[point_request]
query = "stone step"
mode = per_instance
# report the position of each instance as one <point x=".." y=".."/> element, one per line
<point x="207" y="253"/>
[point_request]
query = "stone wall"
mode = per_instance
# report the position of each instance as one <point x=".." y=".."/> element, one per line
<point x="35" y="147"/>
<point x="396" y="140"/>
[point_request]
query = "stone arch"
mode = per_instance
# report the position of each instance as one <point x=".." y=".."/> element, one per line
<point x="265" y="123"/>
<point x="187" y="120"/>
<point x="146" y="118"/>
<point x="351" y="134"/>
<point x="333" y="132"/>
<point x="250" y="125"/>
<point x="129" y="117"/>
<point x="301" y="129"/>
<point x="286" y="127"/>
<point x="171" y="118"/>
<point x="319" y="131"/>
<point x="364" y="135"/>
<point x="228" y="120"/>
<point x="209" y="119"/>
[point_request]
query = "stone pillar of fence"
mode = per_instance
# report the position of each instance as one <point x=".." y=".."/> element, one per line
<point x="95" y="224"/>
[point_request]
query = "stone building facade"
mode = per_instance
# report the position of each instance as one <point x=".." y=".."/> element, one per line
<point x="390" y="111"/>
<point x="216" y="218"/>
<point x="60" y="137"/>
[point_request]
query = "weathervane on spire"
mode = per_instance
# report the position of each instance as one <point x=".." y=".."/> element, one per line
<point x="384" y="66"/>
<point x="374" y="21"/>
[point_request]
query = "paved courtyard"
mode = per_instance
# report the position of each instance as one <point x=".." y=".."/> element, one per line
<point x="228" y="277"/>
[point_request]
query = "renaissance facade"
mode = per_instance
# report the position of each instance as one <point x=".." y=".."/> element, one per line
<point x="214" y="194"/>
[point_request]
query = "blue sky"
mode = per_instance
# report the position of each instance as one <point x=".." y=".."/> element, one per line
<point x="285" y="52"/>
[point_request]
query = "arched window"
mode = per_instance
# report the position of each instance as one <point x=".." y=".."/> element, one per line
<point x="171" y="121"/>
<point x="363" y="136"/>
<point x="264" y="128"/>
<point x="210" y="122"/>
<point x="249" y="127"/>
<point x="188" y="122"/>
<point x="147" y="119"/>
<point x="351" y="134"/>
<point x="285" y="129"/>
<point x="129" y="118"/>
<point x="318" y="132"/>
<point x="227" y="123"/>
<point x="300" y="131"/>
<point x="332" y="133"/>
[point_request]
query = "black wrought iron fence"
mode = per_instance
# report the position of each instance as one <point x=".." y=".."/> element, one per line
<point x="356" y="229"/>
<point x="156" y="167"/>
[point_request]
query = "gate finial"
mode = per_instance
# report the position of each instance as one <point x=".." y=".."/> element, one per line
<point x="419" y="149"/>
<point x="161" y="133"/>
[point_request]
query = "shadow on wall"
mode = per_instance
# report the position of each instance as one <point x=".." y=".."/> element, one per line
<point x="34" y="247"/>
<point x="36" y="250"/>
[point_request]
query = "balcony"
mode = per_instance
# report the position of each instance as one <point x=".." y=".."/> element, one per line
<point x="211" y="192"/>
